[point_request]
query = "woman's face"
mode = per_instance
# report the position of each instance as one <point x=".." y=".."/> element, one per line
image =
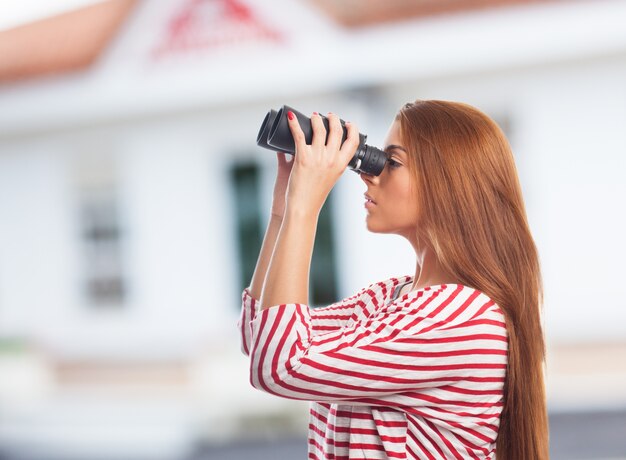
<point x="395" y="208"/>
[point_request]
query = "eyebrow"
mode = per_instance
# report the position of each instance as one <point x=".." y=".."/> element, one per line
<point x="392" y="147"/>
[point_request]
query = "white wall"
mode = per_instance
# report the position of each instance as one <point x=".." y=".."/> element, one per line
<point x="173" y="128"/>
<point x="565" y="132"/>
<point x="178" y="228"/>
<point x="36" y="247"/>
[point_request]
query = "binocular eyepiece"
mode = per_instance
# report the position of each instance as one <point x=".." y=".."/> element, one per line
<point x="276" y="135"/>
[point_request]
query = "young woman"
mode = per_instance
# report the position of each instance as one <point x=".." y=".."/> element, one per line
<point x="447" y="363"/>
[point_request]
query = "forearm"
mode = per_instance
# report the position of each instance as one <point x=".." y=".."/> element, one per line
<point x="269" y="241"/>
<point x="287" y="279"/>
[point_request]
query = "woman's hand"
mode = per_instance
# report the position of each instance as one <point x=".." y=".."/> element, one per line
<point x="280" y="185"/>
<point x="317" y="167"/>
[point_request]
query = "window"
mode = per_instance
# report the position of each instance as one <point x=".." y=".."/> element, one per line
<point x="245" y="180"/>
<point x="102" y="269"/>
<point x="103" y="281"/>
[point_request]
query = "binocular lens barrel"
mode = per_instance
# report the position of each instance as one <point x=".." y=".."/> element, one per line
<point x="261" y="138"/>
<point x="276" y="135"/>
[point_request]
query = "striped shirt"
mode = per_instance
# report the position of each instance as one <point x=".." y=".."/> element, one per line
<point x="419" y="376"/>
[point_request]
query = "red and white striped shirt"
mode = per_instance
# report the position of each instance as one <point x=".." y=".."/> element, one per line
<point x="420" y="376"/>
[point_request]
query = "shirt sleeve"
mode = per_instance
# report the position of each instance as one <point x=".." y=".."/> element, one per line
<point x="433" y="339"/>
<point x="248" y="312"/>
<point x="322" y="319"/>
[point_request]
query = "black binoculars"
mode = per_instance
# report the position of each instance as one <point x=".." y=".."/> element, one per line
<point x="276" y="135"/>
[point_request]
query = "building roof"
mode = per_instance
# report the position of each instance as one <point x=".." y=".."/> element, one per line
<point x="62" y="43"/>
<point x="359" y="13"/>
<point x="190" y="54"/>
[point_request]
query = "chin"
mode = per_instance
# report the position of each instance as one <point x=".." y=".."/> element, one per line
<point x="372" y="227"/>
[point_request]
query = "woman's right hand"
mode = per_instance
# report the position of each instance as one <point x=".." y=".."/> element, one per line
<point x="280" y="186"/>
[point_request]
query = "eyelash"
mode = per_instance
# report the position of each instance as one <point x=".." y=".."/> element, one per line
<point x="393" y="164"/>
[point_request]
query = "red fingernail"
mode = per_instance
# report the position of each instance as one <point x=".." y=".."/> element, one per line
<point x="314" y="113"/>
<point x="290" y="115"/>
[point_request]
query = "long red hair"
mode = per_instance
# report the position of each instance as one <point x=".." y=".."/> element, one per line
<point x="472" y="215"/>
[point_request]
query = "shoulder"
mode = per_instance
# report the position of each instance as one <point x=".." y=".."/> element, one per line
<point x="453" y="304"/>
<point x="379" y="290"/>
<point x="384" y="287"/>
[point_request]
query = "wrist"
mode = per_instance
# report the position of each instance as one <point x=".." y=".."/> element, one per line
<point x="300" y="213"/>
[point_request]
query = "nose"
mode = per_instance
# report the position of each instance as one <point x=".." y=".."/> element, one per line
<point x="368" y="177"/>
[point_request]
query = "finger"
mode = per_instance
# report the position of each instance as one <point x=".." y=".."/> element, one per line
<point x="296" y="132"/>
<point x="283" y="157"/>
<point x="319" y="131"/>
<point x="335" y="132"/>
<point x="288" y="159"/>
<point x="348" y="149"/>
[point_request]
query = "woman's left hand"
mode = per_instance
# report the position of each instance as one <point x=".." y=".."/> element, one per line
<point x="318" y="166"/>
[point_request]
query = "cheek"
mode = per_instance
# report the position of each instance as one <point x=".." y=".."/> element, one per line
<point x="402" y="193"/>
<point x="405" y="204"/>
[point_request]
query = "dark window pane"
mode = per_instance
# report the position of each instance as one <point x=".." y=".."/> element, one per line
<point x="323" y="283"/>
<point x="103" y="282"/>
<point x="245" y="183"/>
<point x="246" y="192"/>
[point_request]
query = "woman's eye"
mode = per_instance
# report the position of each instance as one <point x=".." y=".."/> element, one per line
<point x="393" y="164"/>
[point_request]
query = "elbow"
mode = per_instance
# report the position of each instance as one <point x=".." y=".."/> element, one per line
<point x="261" y="377"/>
<point x="244" y="338"/>
<point x="269" y="379"/>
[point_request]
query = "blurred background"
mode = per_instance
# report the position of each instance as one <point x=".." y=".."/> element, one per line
<point x="133" y="202"/>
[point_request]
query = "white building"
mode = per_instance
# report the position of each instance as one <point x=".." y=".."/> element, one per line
<point x="132" y="191"/>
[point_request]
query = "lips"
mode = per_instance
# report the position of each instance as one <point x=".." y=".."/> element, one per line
<point x="369" y="198"/>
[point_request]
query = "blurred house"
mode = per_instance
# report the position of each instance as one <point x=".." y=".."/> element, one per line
<point x="133" y="197"/>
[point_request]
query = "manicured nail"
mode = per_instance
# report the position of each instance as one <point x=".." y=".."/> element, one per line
<point x="314" y="113"/>
<point x="290" y="115"/>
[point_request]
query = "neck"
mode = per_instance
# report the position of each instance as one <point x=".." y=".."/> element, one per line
<point x="428" y="271"/>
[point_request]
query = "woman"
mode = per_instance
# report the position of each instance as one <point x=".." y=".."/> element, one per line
<point x="447" y="363"/>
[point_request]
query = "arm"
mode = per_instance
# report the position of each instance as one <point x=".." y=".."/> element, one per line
<point x="317" y="167"/>
<point x="250" y="294"/>
<point x="250" y="304"/>
<point x="323" y="320"/>
<point x="269" y="242"/>
<point x="271" y="234"/>
<point x="288" y="274"/>
<point x="451" y="336"/>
